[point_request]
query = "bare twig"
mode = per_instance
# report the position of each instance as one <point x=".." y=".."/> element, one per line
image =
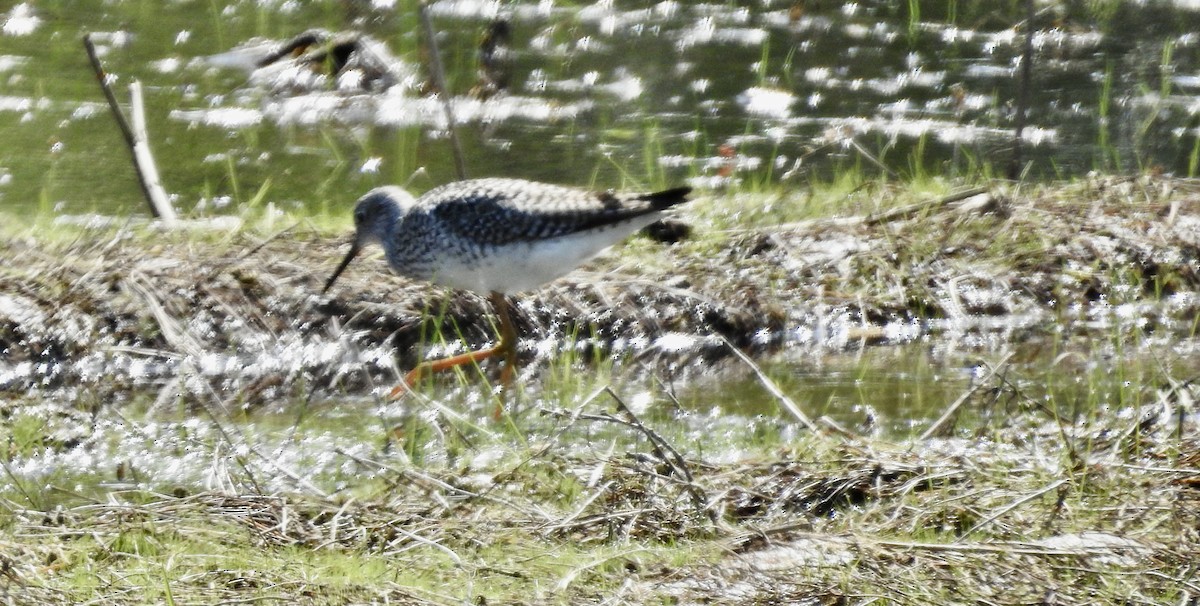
<point x="430" y="484"/>
<point x="1011" y="506"/>
<point x="872" y="159"/>
<point x="173" y="332"/>
<point x="571" y="418"/>
<point x="788" y="404"/>
<point x="431" y="543"/>
<point x="939" y="424"/>
<point x="574" y="573"/>
<point x="1012" y="547"/>
<point x="569" y="520"/>
<point x="662" y="448"/>
<point x="1025" y="84"/>
<point x="244" y="444"/>
<point x="439" y="80"/>
<point x="143" y="161"/>
<point x="102" y="77"/>
<point x="668" y="454"/>
<point x="680" y="470"/>
<point x="904" y="212"/>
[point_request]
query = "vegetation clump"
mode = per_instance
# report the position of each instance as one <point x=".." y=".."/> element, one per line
<point x="186" y="420"/>
<point x="1020" y="262"/>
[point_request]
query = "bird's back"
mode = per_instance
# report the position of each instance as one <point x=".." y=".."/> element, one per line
<point x="509" y="235"/>
<point x="496" y="212"/>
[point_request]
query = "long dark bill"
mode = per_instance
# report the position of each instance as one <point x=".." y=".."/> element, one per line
<point x="354" y="248"/>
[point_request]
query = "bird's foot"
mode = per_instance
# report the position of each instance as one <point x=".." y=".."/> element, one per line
<point x="415" y="375"/>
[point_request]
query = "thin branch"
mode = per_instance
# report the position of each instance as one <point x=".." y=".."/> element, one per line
<point x="661" y="446"/>
<point x="439" y="80"/>
<point x="670" y="456"/>
<point x="680" y="471"/>
<point x="243" y="443"/>
<point x="1025" y="84"/>
<point x="143" y="159"/>
<point x="872" y="159"/>
<point x="939" y="424"/>
<point x="788" y="404"/>
<point x="143" y="162"/>
<point x="102" y="77"/>
<point x="907" y="211"/>
<point x="1011" y="506"/>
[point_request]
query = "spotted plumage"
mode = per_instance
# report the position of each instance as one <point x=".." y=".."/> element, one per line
<point x="499" y="235"/>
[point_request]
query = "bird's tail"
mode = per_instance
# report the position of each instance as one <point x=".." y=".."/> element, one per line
<point x="667" y="198"/>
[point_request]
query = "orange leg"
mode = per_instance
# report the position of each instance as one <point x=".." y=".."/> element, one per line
<point x="508" y="339"/>
<point x="506" y="346"/>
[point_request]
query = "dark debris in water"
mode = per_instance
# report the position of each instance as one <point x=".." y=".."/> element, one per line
<point x="129" y="312"/>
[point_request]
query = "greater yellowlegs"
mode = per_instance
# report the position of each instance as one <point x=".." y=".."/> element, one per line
<point x="496" y="236"/>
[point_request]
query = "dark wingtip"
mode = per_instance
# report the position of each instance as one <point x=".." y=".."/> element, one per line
<point x="668" y="197"/>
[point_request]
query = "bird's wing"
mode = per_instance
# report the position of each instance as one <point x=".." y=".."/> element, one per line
<point x="503" y="211"/>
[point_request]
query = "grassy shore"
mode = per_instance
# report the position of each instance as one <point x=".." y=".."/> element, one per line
<point x="186" y="422"/>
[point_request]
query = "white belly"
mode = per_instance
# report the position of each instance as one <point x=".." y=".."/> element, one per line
<point x="526" y="266"/>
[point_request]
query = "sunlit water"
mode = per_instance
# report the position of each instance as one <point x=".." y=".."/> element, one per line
<point x="610" y="94"/>
<point x="325" y="446"/>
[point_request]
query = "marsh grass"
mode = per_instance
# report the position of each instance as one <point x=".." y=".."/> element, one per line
<point x="611" y="476"/>
<point x="825" y="517"/>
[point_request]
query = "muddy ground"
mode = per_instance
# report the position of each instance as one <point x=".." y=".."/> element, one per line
<point x="117" y="310"/>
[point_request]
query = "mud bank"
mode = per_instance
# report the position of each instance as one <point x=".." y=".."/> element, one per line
<point x="120" y="309"/>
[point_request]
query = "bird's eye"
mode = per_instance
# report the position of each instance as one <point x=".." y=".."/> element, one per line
<point x="360" y="216"/>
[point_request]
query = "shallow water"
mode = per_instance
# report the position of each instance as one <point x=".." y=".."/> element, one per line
<point x="323" y="445"/>
<point x="609" y="94"/>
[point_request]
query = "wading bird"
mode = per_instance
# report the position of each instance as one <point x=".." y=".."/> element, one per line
<point x="495" y="237"/>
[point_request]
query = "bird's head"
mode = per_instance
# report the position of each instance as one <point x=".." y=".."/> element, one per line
<point x="375" y="217"/>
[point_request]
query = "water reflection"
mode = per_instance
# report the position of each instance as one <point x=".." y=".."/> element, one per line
<point x="587" y="90"/>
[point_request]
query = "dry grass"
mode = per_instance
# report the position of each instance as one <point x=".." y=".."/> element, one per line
<point x="1015" y="520"/>
<point x="1059" y="498"/>
<point x="1017" y="262"/>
